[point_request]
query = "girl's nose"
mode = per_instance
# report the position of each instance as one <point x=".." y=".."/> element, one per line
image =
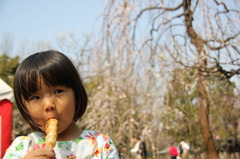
<point x="50" y="108"/>
<point x="49" y="104"/>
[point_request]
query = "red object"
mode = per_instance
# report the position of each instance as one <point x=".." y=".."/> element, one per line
<point x="173" y="151"/>
<point x="5" y="125"/>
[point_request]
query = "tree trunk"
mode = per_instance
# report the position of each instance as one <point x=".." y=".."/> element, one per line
<point x="204" y="119"/>
<point x="203" y="99"/>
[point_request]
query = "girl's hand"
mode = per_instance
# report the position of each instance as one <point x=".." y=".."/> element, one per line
<point x="43" y="153"/>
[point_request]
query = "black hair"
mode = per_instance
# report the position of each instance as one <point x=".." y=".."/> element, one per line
<point x="55" y="69"/>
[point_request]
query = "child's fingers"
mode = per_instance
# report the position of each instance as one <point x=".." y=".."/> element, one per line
<point x="47" y="153"/>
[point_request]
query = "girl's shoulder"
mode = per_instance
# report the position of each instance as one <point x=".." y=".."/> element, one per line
<point x="91" y="134"/>
<point x="18" y="147"/>
<point x="21" y="142"/>
<point x="96" y="137"/>
<point x="90" y="143"/>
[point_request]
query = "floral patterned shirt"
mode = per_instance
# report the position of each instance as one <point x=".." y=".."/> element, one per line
<point x="89" y="145"/>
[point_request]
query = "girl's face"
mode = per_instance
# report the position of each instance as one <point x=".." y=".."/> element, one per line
<point x="52" y="102"/>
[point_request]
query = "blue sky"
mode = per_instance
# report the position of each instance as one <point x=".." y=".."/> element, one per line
<point x="36" y="20"/>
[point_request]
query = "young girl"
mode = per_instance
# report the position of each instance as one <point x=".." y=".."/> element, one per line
<point x="47" y="85"/>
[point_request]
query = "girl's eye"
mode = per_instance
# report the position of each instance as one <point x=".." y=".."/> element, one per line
<point x="34" y="98"/>
<point x="58" y="91"/>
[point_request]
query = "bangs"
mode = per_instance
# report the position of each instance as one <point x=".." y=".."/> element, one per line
<point x="48" y="71"/>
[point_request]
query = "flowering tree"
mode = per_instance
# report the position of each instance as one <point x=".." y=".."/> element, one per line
<point x="202" y="35"/>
